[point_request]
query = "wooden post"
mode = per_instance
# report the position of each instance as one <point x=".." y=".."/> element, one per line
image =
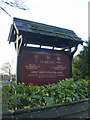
<point x="18" y="44"/>
<point x="71" y="57"/>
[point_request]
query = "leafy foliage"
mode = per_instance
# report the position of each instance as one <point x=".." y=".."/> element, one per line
<point x="22" y="96"/>
<point x="81" y="63"/>
<point x="6" y="68"/>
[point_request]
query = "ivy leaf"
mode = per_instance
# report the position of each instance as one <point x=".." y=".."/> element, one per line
<point x="60" y="96"/>
<point x="69" y="99"/>
<point x="49" y="100"/>
<point x="37" y="96"/>
<point x="75" y="95"/>
<point x="34" y="92"/>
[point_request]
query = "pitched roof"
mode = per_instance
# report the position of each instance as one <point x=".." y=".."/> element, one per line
<point x="42" y="34"/>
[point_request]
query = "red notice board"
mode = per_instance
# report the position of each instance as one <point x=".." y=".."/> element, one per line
<point x="42" y="66"/>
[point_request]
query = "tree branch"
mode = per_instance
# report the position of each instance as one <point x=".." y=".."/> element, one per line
<point x="5" y="11"/>
<point x="16" y="4"/>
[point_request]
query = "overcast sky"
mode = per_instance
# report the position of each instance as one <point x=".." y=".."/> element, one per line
<point x="69" y="14"/>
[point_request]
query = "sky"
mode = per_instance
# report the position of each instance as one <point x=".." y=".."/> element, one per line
<point x="69" y="14"/>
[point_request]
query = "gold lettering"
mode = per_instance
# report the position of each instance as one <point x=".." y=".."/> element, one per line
<point x="32" y="67"/>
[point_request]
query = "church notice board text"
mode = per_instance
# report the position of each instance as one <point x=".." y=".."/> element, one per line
<point x="43" y="66"/>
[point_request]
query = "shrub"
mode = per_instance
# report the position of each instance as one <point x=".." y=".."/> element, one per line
<point x="18" y="96"/>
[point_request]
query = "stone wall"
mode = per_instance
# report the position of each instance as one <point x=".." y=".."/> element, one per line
<point x="76" y="110"/>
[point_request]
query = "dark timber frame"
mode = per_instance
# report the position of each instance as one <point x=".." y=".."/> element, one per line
<point x="24" y="32"/>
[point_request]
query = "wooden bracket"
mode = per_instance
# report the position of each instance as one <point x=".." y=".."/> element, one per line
<point x="72" y="53"/>
<point x="18" y="41"/>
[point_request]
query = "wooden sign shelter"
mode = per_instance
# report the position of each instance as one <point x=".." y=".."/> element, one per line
<point x="39" y="65"/>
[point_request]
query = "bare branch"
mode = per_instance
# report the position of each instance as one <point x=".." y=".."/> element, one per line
<point x="13" y="3"/>
<point x="5" y="11"/>
<point x="16" y="3"/>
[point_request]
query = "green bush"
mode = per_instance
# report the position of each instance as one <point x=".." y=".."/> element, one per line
<point x="81" y="63"/>
<point x="18" y="96"/>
